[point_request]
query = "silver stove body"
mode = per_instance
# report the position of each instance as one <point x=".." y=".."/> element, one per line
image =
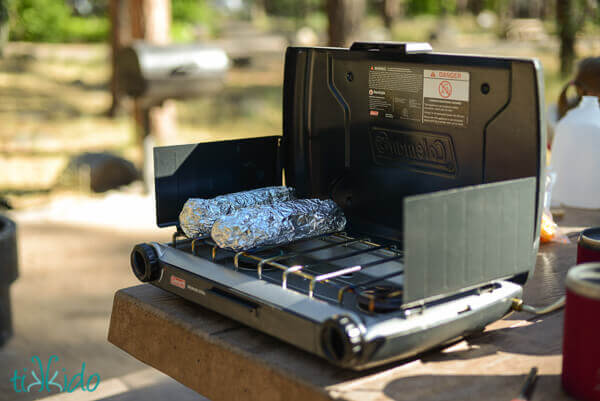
<point x="327" y="321"/>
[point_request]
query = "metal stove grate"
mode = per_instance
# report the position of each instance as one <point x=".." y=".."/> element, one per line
<point x="345" y="247"/>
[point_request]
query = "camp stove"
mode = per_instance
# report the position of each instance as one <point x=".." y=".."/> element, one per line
<point x="435" y="160"/>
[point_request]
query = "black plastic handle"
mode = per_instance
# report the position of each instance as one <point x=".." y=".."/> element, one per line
<point x="185" y="69"/>
<point x="234" y="299"/>
<point x="403" y="48"/>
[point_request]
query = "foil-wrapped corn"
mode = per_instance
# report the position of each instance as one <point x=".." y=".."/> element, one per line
<point x="277" y="224"/>
<point x="198" y="215"/>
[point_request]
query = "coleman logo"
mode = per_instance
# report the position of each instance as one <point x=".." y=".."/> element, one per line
<point x="425" y="152"/>
<point x="178" y="282"/>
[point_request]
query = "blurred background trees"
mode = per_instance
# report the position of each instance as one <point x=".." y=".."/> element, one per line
<point x="345" y="18"/>
<point x="317" y="22"/>
<point x="339" y="20"/>
<point x="58" y="20"/>
<point x="55" y="75"/>
<point x="571" y="17"/>
<point x="87" y="20"/>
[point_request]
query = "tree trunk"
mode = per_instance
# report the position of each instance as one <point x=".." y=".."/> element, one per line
<point x="536" y="9"/>
<point x="120" y="35"/>
<point x="151" y="21"/>
<point x="390" y="9"/>
<point x="475" y="6"/>
<point x="344" y="20"/>
<point x="567" y="29"/>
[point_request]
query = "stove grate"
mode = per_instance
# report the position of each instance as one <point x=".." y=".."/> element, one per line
<point x="276" y="258"/>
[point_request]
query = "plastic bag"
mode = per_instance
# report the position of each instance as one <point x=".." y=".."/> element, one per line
<point x="549" y="231"/>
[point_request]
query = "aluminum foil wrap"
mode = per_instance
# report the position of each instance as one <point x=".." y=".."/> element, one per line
<point x="277" y="224"/>
<point x="198" y="215"/>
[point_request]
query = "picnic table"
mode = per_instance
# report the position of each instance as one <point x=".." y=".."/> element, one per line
<point x="224" y="360"/>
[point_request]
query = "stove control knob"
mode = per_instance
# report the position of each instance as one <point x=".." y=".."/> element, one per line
<point x="144" y="262"/>
<point x="342" y="340"/>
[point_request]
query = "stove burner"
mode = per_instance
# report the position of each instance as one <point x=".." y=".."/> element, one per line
<point x="249" y="265"/>
<point x="380" y="298"/>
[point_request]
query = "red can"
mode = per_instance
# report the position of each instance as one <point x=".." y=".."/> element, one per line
<point x="581" y="342"/>
<point x="588" y="246"/>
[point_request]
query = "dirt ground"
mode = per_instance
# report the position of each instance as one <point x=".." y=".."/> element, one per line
<point x="62" y="301"/>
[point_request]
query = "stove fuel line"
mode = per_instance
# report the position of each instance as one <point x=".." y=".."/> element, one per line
<point x="519" y="306"/>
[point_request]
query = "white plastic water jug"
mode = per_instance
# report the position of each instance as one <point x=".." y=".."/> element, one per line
<point x="576" y="157"/>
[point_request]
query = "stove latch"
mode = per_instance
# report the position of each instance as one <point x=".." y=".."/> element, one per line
<point x="402" y="48"/>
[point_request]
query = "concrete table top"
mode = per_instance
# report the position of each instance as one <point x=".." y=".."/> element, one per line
<point x="224" y="360"/>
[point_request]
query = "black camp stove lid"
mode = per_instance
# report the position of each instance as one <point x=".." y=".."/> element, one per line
<point x="370" y="125"/>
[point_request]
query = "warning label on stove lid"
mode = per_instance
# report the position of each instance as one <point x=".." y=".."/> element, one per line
<point x="395" y="92"/>
<point x="446" y="97"/>
<point x="436" y="97"/>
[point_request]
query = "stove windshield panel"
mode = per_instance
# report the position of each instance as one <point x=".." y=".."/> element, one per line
<point x="463" y="238"/>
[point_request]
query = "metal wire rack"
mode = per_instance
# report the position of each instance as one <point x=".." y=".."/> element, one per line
<point x="347" y="247"/>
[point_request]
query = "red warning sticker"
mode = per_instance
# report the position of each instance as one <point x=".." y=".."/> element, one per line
<point x="452" y="85"/>
<point x="445" y="89"/>
<point x="178" y="282"/>
<point x="446" y="97"/>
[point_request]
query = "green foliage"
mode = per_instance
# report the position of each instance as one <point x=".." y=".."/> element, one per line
<point x="3" y="11"/>
<point x="292" y="8"/>
<point x="436" y="7"/>
<point x="495" y="5"/>
<point x="182" y="32"/>
<point x="187" y="15"/>
<point x="86" y="29"/>
<point x="53" y="21"/>
<point x="39" y="20"/>
<point x="191" y="11"/>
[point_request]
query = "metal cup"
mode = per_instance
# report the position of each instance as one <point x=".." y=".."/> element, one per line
<point x="581" y="342"/>
<point x="588" y="246"/>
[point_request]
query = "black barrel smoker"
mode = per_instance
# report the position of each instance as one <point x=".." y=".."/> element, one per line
<point x="152" y="74"/>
